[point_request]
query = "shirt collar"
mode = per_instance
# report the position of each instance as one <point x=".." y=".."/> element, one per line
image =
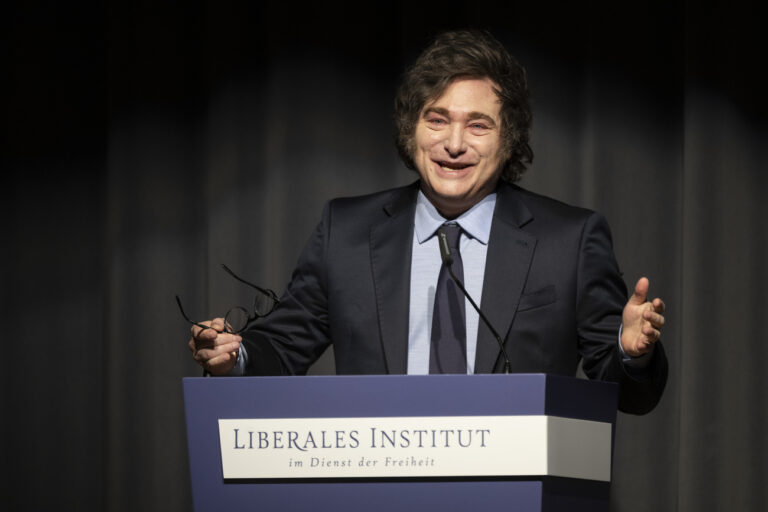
<point x="475" y="222"/>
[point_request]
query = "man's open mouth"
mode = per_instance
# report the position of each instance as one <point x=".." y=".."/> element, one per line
<point x="453" y="167"/>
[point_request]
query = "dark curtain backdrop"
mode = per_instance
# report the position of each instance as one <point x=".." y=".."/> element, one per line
<point x="145" y="143"/>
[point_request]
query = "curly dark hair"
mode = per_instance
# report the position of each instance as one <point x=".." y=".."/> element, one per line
<point x="468" y="54"/>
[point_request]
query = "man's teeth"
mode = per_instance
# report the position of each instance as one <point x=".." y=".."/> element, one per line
<point x="450" y="169"/>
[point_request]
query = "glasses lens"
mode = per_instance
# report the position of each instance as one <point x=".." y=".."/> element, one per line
<point x="237" y="319"/>
<point x="263" y="304"/>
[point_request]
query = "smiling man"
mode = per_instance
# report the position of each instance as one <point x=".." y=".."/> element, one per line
<point x="458" y="146"/>
<point x="371" y="279"/>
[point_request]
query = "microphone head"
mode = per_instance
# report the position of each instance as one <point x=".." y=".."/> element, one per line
<point x="445" y="250"/>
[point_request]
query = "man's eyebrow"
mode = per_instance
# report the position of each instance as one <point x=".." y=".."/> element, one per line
<point x="436" y="110"/>
<point x="480" y="115"/>
<point x="472" y="115"/>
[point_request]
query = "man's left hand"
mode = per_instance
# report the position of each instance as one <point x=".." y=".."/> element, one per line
<point x="642" y="321"/>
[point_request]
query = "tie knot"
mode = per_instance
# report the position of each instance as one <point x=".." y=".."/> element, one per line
<point x="452" y="232"/>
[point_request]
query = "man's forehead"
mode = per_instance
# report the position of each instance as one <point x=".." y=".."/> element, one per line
<point x="478" y="95"/>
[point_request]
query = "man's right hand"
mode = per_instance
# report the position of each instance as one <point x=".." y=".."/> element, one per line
<point x="214" y="349"/>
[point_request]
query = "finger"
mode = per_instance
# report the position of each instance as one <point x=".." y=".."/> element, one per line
<point x="214" y="328"/>
<point x="218" y="324"/>
<point x="200" y="357"/>
<point x="652" y="335"/>
<point x="200" y="333"/>
<point x="196" y="329"/>
<point x="655" y="319"/>
<point x="207" y="354"/>
<point x="221" y="340"/>
<point x="207" y="336"/>
<point x="659" y="305"/>
<point x="641" y="291"/>
<point x="221" y="359"/>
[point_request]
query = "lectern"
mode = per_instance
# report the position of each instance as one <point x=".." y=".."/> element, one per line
<point x="520" y="442"/>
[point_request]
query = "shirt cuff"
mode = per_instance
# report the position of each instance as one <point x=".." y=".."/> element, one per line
<point x="239" y="368"/>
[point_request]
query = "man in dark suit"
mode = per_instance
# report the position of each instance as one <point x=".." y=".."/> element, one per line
<point x="369" y="280"/>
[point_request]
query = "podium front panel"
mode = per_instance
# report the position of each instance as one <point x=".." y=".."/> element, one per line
<point x="209" y="399"/>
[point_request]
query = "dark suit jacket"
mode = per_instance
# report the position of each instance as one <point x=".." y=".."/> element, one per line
<point x="552" y="289"/>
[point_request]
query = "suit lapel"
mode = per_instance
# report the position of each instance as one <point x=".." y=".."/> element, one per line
<point x="510" y="251"/>
<point x="391" y="241"/>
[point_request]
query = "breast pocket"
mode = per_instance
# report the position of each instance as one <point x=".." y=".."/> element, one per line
<point x="537" y="299"/>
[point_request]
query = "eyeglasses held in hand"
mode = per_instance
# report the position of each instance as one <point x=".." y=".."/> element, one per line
<point x="238" y="319"/>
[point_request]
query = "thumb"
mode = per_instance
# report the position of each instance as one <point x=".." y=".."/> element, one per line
<point x="641" y="291"/>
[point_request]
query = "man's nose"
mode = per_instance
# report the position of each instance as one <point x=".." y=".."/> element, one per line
<point x="454" y="141"/>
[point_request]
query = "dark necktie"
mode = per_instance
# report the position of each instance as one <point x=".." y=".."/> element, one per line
<point x="448" y="350"/>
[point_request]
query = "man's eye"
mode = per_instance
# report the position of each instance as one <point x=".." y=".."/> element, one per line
<point x="479" y="126"/>
<point x="436" y="121"/>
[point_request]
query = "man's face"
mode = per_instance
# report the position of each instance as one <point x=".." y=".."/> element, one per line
<point x="457" y="141"/>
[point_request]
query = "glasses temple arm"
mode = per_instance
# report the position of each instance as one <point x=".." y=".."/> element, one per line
<point x="262" y="290"/>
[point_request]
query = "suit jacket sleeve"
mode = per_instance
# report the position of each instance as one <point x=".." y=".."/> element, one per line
<point x="295" y="335"/>
<point x="601" y="296"/>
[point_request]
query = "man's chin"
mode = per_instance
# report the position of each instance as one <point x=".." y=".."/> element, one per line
<point x="450" y="203"/>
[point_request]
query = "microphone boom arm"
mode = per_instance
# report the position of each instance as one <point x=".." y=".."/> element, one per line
<point x="482" y="315"/>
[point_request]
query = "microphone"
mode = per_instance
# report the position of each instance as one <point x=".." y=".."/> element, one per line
<point x="447" y="257"/>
